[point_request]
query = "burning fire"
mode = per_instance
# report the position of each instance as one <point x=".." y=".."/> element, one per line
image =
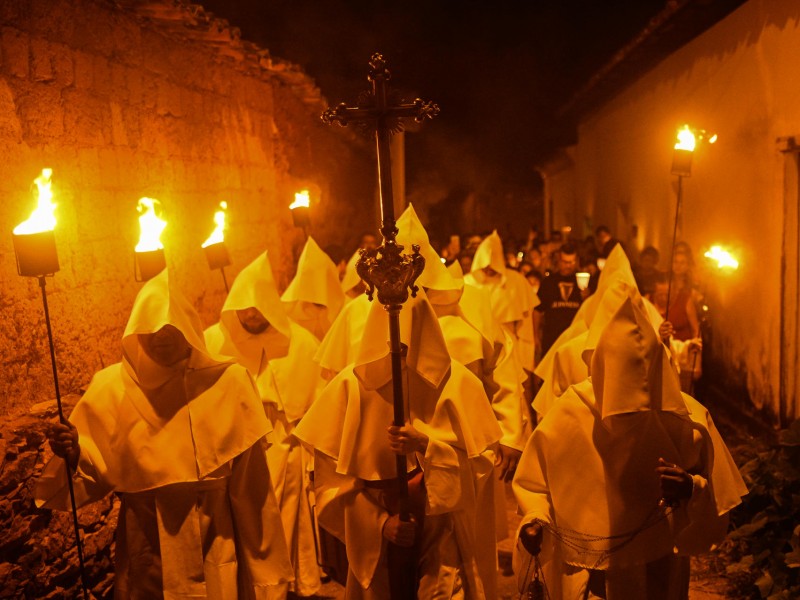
<point x="150" y="225"/>
<point x="724" y="258"/>
<point x="301" y="200"/>
<point x="218" y="235"/>
<point x="686" y="139"/>
<point x="43" y="217"/>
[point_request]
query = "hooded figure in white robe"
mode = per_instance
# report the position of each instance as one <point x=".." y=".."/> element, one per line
<point x="279" y="356"/>
<point x="340" y="345"/>
<point x="355" y="464"/>
<point x="512" y="296"/>
<point x="315" y="296"/>
<point x="475" y="340"/>
<point x="182" y="444"/>
<point x="606" y="453"/>
<point x="563" y="365"/>
<point x="351" y="283"/>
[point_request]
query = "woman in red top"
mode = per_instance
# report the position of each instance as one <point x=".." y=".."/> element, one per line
<point x="682" y="309"/>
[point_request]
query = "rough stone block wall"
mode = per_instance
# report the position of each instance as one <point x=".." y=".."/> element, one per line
<point x="124" y="99"/>
<point x="38" y="556"/>
<point x="120" y="108"/>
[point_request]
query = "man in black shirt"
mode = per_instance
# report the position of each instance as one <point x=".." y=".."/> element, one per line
<point x="560" y="298"/>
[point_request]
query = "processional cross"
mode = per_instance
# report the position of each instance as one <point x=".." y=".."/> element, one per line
<point x="386" y="269"/>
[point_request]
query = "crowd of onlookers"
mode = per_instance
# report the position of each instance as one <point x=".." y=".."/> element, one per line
<point x="537" y="257"/>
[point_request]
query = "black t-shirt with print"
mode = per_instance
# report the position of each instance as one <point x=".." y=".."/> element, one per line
<point x="560" y="299"/>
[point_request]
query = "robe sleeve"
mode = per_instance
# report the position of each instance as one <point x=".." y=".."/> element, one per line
<point x="706" y="528"/>
<point x="51" y="489"/>
<point x="530" y="487"/>
<point x="508" y="402"/>
<point x="442" y="477"/>
<point x="703" y="527"/>
<point x="260" y="542"/>
<point x="347" y="510"/>
<point x="530" y="483"/>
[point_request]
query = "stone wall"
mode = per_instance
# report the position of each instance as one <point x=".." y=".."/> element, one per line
<point x="38" y="556"/>
<point x="127" y="99"/>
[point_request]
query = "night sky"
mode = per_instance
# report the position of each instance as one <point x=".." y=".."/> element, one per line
<point x="499" y="70"/>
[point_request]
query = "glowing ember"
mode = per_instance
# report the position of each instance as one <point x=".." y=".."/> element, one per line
<point x="218" y="235"/>
<point x="301" y="200"/>
<point x="723" y="258"/>
<point x="150" y="225"/>
<point x="686" y="139"/>
<point x="43" y="217"/>
<point x="712" y="139"/>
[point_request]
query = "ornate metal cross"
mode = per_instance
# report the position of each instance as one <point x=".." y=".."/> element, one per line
<point x="386" y="269"/>
<point x="375" y="112"/>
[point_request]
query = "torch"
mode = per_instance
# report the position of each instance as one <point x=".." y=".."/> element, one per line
<point x="215" y="249"/>
<point x="682" y="167"/>
<point x="35" y="251"/>
<point x="301" y="216"/>
<point x="723" y="258"/>
<point x="149" y="258"/>
<point x="725" y="262"/>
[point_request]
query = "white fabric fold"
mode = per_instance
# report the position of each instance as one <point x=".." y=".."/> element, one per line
<point x="314" y="297"/>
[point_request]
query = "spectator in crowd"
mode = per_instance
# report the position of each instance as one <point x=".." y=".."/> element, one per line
<point x="560" y="298"/>
<point x="647" y="270"/>
<point x="368" y="241"/>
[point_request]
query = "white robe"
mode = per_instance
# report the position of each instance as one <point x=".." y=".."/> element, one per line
<point x="198" y="523"/>
<point x="579" y="474"/>
<point x="458" y="482"/>
<point x="288" y="381"/>
<point x="589" y="474"/>
<point x="314" y="297"/>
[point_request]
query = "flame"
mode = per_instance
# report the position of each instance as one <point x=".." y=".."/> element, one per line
<point x="301" y="199"/>
<point x="724" y="258"/>
<point x="43" y="217"/>
<point x="150" y="225"/>
<point x="218" y="235"/>
<point x="686" y="139"/>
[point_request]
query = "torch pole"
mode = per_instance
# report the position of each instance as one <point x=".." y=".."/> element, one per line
<point x="674" y="239"/>
<point x="76" y="526"/>
<point x="224" y="280"/>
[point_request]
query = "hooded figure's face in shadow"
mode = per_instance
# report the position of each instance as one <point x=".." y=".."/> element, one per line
<point x="252" y="320"/>
<point x="166" y="346"/>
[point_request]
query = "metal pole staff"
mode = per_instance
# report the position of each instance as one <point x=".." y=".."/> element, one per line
<point x="385" y="268"/>
<point x="63" y="419"/>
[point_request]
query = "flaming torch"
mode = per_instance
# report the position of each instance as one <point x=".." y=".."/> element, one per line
<point x="687" y="139"/>
<point x="149" y="255"/>
<point x="216" y="252"/>
<point x="300" y="210"/>
<point x="35" y="251"/>
<point x="723" y="258"/>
